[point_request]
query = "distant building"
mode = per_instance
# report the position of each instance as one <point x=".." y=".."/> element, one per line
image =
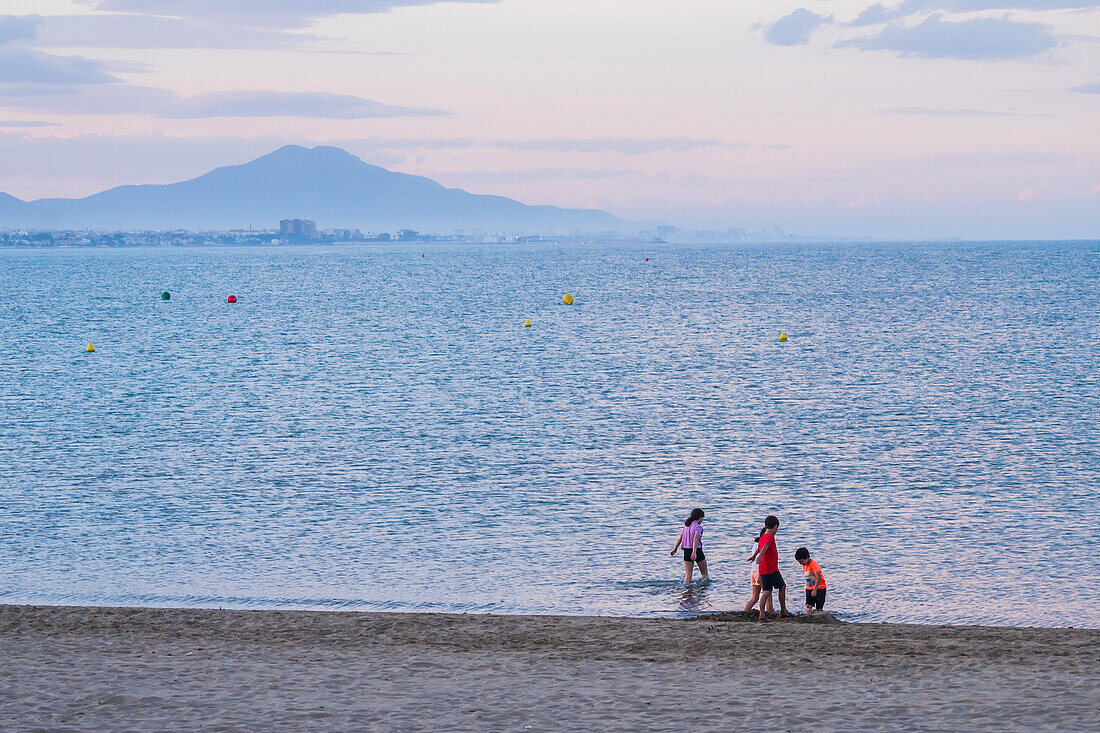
<point x="408" y="235"/>
<point x="346" y="235"/>
<point x="298" y="228"/>
<point x="666" y="232"/>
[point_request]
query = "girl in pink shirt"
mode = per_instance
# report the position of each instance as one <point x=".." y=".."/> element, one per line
<point x="691" y="542"/>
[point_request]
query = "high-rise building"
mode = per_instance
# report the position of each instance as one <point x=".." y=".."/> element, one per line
<point x="298" y="228"/>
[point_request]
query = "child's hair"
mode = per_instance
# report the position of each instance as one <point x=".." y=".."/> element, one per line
<point x="771" y="521"/>
<point x="759" y="535"/>
<point x="696" y="515"/>
<point x="801" y="554"/>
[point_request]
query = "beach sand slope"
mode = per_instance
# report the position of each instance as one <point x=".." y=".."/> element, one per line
<point x="165" y="669"/>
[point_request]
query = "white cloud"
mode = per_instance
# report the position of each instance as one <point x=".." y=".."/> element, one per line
<point x="23" y="68"/>
<point x="18" y="27"/>
<point x="259" y="13"/>
<point x="794" y="29"/>
<point x="25" y="65"/>
<point x="626" y="145"/>
<point x="954" y="112"/>
<point x="879" y="13"/>
<point x="969" y="6"/>
<point x="133" y="99"/>
<point x="124" y="30"/>
<point x="26" y="123"/>
<point x="80" y="100"/>
<point x="977" y="161"/>
<point x="971" y="39"/>
<point x="248" y="103"/>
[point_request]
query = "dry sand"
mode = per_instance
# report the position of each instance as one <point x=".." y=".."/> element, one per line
<point x="159" y="669"/>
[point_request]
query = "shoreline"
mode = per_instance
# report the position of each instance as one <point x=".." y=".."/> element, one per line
<point x="797" y="616"/>
<point x="84" y="668"/>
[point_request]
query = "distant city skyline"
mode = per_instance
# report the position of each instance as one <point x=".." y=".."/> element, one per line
<point x="915" y="118"/>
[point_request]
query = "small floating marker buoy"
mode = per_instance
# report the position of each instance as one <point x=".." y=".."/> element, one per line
<point x="527" y="323"/>
<point x="567" y="299"/>
<point x="782" y="335"/>
<point x="165" y="295"/>
<point x="647" y="259"/>
<point x="231" y="299"/>
<point x="90" y="349"/>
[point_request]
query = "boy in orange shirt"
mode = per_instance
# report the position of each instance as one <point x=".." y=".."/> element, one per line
<point x="815" y="581"/>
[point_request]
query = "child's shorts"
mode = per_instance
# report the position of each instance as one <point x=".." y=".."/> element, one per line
<point x="818" y="601"/>
<point x="698" y="554"/>
<point x="772" y="581"/>
<point x="754" y="578"/>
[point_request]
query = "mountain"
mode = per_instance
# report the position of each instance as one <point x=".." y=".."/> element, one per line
<point x="326" y="184"/>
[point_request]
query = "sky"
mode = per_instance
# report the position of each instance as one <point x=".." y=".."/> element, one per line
<point x="906" y="119"/>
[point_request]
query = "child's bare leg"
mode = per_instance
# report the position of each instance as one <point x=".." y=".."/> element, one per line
<point x="689" y="566"/>
<point x="755" y="598"/>
<point x="703" y="569"/>
<point x="783" y="601"/>
<point x="765" y="602"/>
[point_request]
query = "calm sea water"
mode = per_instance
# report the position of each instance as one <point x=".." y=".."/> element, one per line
<point x="370" y="428"/>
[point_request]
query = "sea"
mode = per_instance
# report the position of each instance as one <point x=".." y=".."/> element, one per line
<point x="372" y="427"/>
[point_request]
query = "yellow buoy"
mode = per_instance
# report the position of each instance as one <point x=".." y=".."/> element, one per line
<point x="90" y="349"/>
<point x="567" y="299"/>
<point x="527" y="323"/>
<point x="782" y="335"/>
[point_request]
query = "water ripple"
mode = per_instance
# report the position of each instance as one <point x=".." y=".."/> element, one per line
<point x="369" y="429"/>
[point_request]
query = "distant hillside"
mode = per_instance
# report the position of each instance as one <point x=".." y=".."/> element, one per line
<point x="326" y="184"/>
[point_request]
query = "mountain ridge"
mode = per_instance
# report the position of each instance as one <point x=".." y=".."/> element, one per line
<point x="323" y="183"/>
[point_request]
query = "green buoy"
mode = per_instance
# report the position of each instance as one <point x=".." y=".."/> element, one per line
<point x="165" y="295"/>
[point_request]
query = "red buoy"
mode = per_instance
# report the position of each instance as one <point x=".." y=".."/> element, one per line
<point x="231" y="299"/>
<point x="647" y="259"/>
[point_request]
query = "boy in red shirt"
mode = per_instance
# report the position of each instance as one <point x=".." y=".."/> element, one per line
<point x="815" y="581"/>
<point x="767" y="554"/>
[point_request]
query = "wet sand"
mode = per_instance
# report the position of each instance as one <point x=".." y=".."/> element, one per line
<point x="117" y="669"/>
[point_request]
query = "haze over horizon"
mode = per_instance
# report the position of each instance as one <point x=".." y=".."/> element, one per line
<point x="918" y="118"/>
<point x="325" y="184"/>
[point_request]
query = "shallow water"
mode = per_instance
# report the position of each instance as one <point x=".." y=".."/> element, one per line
<point x="369" y="428"/>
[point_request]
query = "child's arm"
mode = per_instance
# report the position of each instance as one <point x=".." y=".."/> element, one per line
<point x="679" y="538"/>
<point x="817" y="582"/>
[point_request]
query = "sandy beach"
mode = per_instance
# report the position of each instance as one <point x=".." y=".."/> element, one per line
<point x="69" y="668"/>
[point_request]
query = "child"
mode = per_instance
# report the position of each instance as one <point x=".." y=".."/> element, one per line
<point x="767" y="554"/>
<point x="815" y="581"/>
<point x="691" y="540"/>
<point x="754" y="576"/>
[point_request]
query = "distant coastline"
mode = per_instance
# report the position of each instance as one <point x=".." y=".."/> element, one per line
<point x="69" y="238"/>
<point x="265" y="238"/>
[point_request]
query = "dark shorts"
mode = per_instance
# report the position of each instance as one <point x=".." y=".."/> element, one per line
<point x="817" y="601"/>
<point x="698" y="554"/>
<point x="771" y="581"/>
